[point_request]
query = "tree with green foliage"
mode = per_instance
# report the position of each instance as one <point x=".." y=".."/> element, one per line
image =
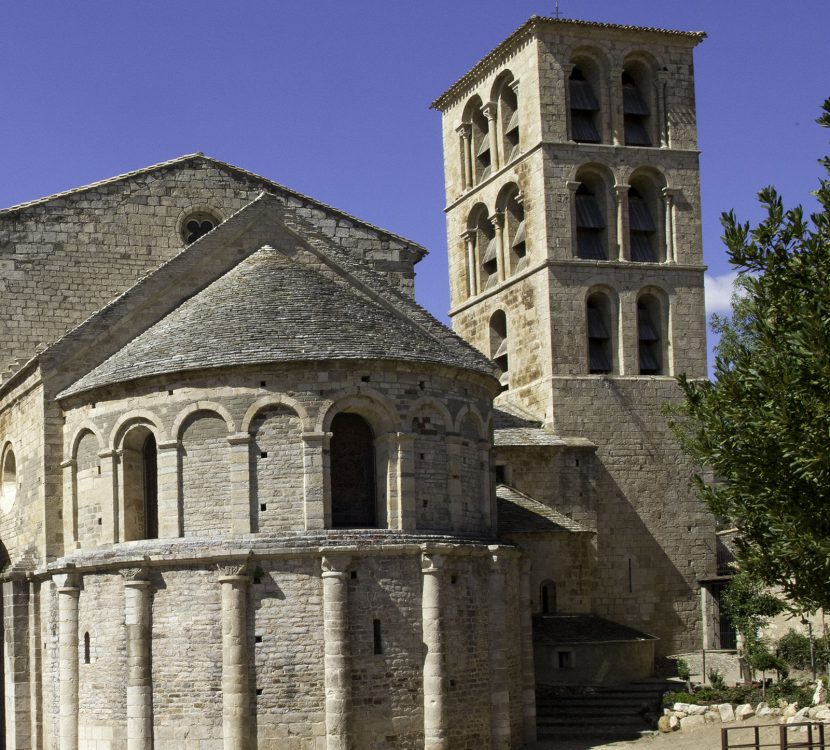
<point x="763" y="423"/>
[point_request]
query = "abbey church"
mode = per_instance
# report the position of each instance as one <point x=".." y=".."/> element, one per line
<point x="252" y="496"/>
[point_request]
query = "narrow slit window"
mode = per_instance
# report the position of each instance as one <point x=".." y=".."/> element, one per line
<point x="87" y="655"/>
<point x="377" y="636"/>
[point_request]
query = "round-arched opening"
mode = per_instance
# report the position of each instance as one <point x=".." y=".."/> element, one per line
<point x="591" y="217"/>
<point x="352" y="472"/>
<point x="140" y="472"/>
<point x="637" y="106"/>
<point x="8" y="481"/>
<point x="547" y="598"/>
<point x="197" y="225"/>
<point x="499" y="347"/>
<point x="650" y="336"/>
<point x="599" y="323"/>
<point x="584" y="105"/>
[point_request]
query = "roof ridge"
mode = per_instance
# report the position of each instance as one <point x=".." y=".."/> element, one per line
<point x="227" y="165"/>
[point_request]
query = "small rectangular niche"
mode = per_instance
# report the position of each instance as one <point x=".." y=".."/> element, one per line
<point x="257" y="639"/>
<point x="263" y="454"/>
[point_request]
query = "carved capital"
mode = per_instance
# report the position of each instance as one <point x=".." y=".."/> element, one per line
<point x="240" y="438"/>
<point x="465" y="130"/>
<point x="169" y="445"/>
<point x="68" y="583"/>
<point x="432" y="563"/>
<point x="519" y="197"/>
<point x="497" y="219"/>
<point x="621" y="191"/>
<point x="234" y="569"/>
<point x="490" y="110"/>
<point x="573" y="185"/>
<point x="514" y="84"/>
<point x="670" y="193"/>
<point x="335" y="564"/>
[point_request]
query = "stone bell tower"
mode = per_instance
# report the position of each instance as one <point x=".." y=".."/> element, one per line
<point x="575" y="256"/>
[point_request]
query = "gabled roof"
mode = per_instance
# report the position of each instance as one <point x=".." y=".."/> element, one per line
<point x="269" y="185"/>
<point x="521" y="514"/>
<point x="295" y="296"/>
<point x="502" y="50"/>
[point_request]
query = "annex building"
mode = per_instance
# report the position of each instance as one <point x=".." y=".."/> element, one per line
<point x="253" y="496"/>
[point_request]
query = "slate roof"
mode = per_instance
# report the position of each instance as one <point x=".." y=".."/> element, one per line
<point x="503" y="48"/>
<point x="516" y="427"/>
<point x="521" y="514"/>
<point x="198" y="156"/>
<point x="274" y="308"/>
<point x="561" y="629"/>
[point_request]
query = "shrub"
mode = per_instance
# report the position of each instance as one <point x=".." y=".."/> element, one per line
<point x="716" y="679"/>
<point x="680" y="696"/>
<point x="794" y="649"/>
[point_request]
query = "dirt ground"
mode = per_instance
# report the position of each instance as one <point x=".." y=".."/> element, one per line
<point x="704" y="738"/>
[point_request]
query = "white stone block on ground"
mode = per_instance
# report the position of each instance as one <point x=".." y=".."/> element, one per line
<point x="744" y="712"/>
<point x="727" y="713"/>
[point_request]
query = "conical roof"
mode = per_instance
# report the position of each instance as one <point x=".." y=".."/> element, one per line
<point x="274" y="308"/>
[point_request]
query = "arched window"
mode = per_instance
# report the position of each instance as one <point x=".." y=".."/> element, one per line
<point x="509" y="119"/>
<point x="591" y="234"/>
<point x="487" y="250"/>
<point x="636" y="109"/>
<point x="140" y="469"/>
<point x="482" y="158"/>
<point x="498" y="346"/>
<point x="352" y="467"/>
<point x="8" y="481"/>
<point x="642" y="228"/>
<point x="509" y="205"/>
<point x="584" y="108"/>
<point x="547" y="598"/>
<point x="599" y="325"/>
<point x="650" y="336"/>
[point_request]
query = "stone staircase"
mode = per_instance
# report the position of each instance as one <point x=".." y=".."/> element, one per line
<point x="615" y="712"/>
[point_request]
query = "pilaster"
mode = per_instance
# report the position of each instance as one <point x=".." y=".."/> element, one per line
<point x="435" y="677"/>
<point x="337" y="651"/>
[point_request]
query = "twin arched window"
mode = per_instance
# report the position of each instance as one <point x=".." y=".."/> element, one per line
<point x="601" y="325"/>
<point x="495" y="245"/>
<point x="640" y="210"/>
<point x="490" y="132"/>
<point x="589" y="124"/>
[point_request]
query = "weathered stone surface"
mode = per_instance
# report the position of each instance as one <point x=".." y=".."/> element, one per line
<point x="688" y="723"/>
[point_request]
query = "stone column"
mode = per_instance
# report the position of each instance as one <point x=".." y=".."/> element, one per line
<point x="240" y="472"/>
<point x="465" y="134"/>
<point x="469" y="238"/>
<point x="35" y="666"/>
<point x="68" y="594"/>
<point x="669" y="195"/>
<point x="497" y="220"/>
<point x="111" y="520"/>
<point x="70" y="505"/>
<point x="528" y="669"/>
<point x="621" y="196"/>
<point x="455" y="444"/>
<point x="137" y="601"/>
<point x="315" y="457"/>
<point x="490" y="111"/>
<point x="170" y="510"/>
<point x="236" y="717"/>
<point x="337" y="651"/>
<point x="616" y="107"/>
<point x="18" y="723"/>
<point x="435" y="677"/>
<point x="406" y="482"/>
<point x="499" y="672"/>
<point x="488" y="500"/>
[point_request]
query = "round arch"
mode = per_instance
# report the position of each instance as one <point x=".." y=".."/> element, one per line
<point x="202" y="406"/>
<point x="267" y="402"/>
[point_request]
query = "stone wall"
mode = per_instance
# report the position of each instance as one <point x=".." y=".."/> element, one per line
<point x="81" y="250"/>
<point x="282" y="645"/>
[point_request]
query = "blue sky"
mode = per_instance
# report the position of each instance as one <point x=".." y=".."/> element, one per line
<point x="332" y="98"/>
